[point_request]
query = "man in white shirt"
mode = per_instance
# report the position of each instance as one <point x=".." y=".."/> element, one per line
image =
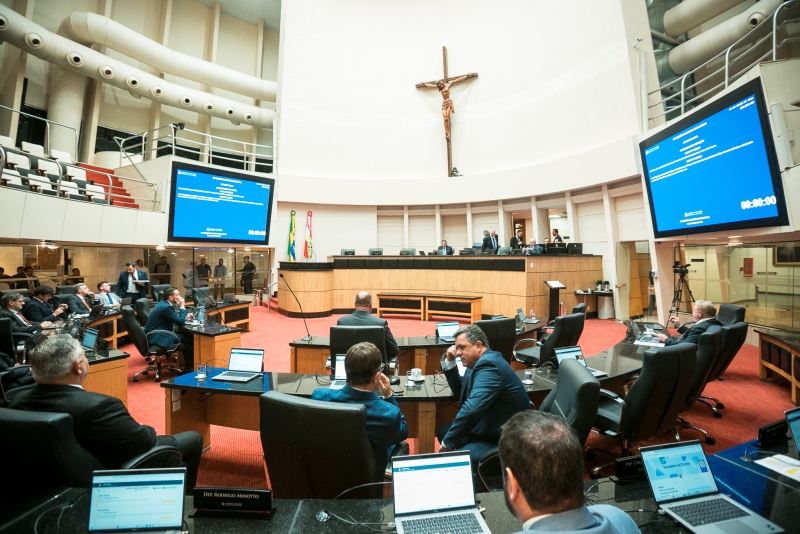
<point x="106" y="297"/>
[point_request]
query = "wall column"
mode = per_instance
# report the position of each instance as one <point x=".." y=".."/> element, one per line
<point x="572" y="213"/>
<point x="204" y="122"/>
<point x="470" y="238"/>
<point x="406" y="230"/>
<point x="154" y="120"/>
<point x="610" y="260"/>
<point x="94" y="98"/>
<point x="502" y="230"/>
<point x="438" y="225"/>
<point x="257" y="103"/>
<point x="67" y="94"/>
<point x="14" y="64"/>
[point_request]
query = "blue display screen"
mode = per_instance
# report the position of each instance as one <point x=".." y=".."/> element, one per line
<point x="219" y="206"/>
<point x="715" y="172"/>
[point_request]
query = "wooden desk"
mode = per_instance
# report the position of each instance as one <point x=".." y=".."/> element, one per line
<point x="111" y="327"/>
<point x="213" y="342"/>
<point x="429" y="305"/>
<point x="108" y="374"/>
<point x="780" y="354"/>
<point x="235" y="314"/>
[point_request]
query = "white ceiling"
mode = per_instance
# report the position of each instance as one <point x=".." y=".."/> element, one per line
<point x="251" y="11"/>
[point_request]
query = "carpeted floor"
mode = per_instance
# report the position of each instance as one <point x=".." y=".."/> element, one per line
<point x="235" y="458"/>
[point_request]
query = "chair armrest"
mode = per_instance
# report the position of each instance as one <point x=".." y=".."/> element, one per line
<point x="619" y="400"/>
<point x="22" y="336"/>
<point x="401" y="449"/>
<point x="526" y="340"/>
<point x="158" y="456"/>
<point x="488" y="455"/>
<point x="173" y="334"/>
<point x="610" y="395"/>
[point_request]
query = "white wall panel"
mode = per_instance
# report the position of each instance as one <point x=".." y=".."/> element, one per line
<point x="13" y="205"/>
<point x="391" y="232"/>
<point x="454" y="230"/>
<point x="43" y="217"/>
<point x="631" y="223"/>
<point x="484" y="221"/>
<point x="592" y="227"/>
<point x="151" y="228"/>
<point x="119" y="226"/>
<point x="422" y="232"/>
<point x="82" y="222"/>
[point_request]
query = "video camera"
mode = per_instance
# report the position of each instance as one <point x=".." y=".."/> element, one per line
<point x="679" y="269"/>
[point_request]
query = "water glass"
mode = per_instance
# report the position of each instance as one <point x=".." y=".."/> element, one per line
<point x="527" y="377"/>
<point x="201" y="372"/>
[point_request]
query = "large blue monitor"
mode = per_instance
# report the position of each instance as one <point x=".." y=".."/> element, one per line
<point x="716" y="169"/>
<point x="219" y="206"/>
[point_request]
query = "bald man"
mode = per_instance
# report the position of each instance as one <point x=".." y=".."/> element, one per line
<point x="362" y="316"/>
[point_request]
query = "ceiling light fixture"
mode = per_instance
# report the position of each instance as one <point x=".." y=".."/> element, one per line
<point x="48" y="244"/>
<point x="161" y="247"/>
<point x="735" y="243"/>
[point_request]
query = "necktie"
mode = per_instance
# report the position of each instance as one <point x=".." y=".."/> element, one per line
<point x="108" y="296"/>
<point x="83" y="300"/>
<point x="22" y="318"/>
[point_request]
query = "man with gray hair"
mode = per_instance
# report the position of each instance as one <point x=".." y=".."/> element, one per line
<point x="490" y="392"/>
<point x="82" y="301"/>
<point x="362" y="316"/>
<point x="542" y="462"/>
<point x="705" y="316"/>
<point x="102" y="424"/>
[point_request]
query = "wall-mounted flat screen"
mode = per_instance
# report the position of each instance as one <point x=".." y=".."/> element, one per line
<point x="715" y="169"/>
<point x="221" y="206"/>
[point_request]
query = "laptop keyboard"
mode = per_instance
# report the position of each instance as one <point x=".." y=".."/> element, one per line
<point x="454" y="524"/>
<point x="706" y="512"/>
<point x="238" y="374"/>
<point x="337" y="383"/>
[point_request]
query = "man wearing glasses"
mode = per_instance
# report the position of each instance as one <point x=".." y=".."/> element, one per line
<point x="386" y="425"/>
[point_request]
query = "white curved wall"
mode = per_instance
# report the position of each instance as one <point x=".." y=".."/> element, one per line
<point x="554" y="84"/>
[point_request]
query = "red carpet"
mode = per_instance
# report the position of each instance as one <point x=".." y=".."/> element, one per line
<point x="235" y="458"/>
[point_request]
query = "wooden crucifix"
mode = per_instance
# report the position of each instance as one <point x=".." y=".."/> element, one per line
<point x="443" y="86"/>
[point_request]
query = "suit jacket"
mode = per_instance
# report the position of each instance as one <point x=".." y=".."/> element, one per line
<point x="517" y="243"/>
<point x="365" y="318"/>
<point x="386" y="425"/>
<point x="103" y="425"/>
<point x="37" y="311"/>
<point x="447" y="251"/>
<point x="489" y="393"/>
<point x="595" y="519"/>
<point x="17" y="325"/>
<point x="692" y="334"/>
<point x="74" y="305"/>
<point x="557" y="239"/>
<point x="536" y="249"/>
<point x="102" y="298"/>
<point x="487" y="244"/>
<point x="164" y="317"/>
<point x="26" y="284"/>
<point x="122" y="284"/>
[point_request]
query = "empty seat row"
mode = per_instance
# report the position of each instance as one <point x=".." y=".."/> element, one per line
<point x="37" y="150"/>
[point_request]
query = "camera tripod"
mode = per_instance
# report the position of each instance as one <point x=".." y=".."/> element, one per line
<point x="677" y="298"/>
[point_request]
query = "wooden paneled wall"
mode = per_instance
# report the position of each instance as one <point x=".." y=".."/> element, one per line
<point x="575" y="272"/>
<point x="640" y="282"/>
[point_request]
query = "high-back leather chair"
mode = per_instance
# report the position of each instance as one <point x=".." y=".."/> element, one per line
<point x="344" y="337"/>
<point x="567" y="330"/>
<point x="152" y="353"/>
<point x="200" y="295"/>
<point x="315" y="449"/>
<point x="65" y="290"/>
<point x="158" y="291"/>
<point x="579" y="308"/>
<point x="501" y="334"/>
<point x="13" y="344"/>
<point x="733" y="337"/>
<point x="653" y="402"/>
<point x="729" y="314"/>
<point x="142" y="311"/>
<point x="708" y="351"/>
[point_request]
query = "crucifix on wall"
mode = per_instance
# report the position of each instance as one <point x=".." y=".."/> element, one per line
<point x="443" y="86"/>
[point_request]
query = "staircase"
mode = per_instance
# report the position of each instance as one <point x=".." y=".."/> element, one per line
<point x="119" y="195"/>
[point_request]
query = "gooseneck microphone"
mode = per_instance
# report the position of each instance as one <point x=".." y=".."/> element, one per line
<point x="213" y="301"/>
<point x="303" y="315"/>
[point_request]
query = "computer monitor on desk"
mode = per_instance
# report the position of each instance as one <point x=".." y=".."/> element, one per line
<point x="376" y="252"/>
<point x="348" y="252"/>
<point x="575" y="248"/>
<point x="556" y="248"/>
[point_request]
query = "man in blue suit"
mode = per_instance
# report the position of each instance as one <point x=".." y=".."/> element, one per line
<point x="489" y="392"/>
<point x="165" y="317"/>
<point x="132" y="283"/>
<point x="542" y="461"/>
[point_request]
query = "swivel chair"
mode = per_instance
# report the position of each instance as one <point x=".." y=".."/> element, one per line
<point x="708" y="350"/>
<point x="501" y="334"/>
<point x="732" y="339"/>
<point x="579" y="308"/>
<point x="729" y="314"/>
<point x="566" y="330"/>
<point x="158" y="291"/>
<point x="13" y="344"/>
<point x="152" y="353"/>
<point x="653" y="402"/>
<point x="344" y="337"/>
<point x="142" y="311"/>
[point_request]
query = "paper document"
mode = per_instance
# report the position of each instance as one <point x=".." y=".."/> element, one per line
<point x="649" y="343"/>
<point x="782" y="464"/>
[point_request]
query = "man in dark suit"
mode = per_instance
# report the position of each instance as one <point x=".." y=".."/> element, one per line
<point x="542" y="461"/>
<point x="517" y="241"/>
<point x="3" y="273"/>
<point x="39" y="309"/>
<point x="446" y="249"/>
<point x="556" y="237"/>
<point x="12" y="304"/>
<point x="82" y="301"/>
<point x="102" y="424"/>
<point x="132" y="283"/>
<point x="165" y="317"/>
<point x="705" y="316"/>
<point x="490" y="243"/>
<point x="30" y="284"/>
<point x="490" y="392"/>
<point x="20" y="274"/>
<point x="362" y="316"/>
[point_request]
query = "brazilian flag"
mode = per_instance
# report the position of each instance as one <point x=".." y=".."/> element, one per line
<point x="292" y="226"/>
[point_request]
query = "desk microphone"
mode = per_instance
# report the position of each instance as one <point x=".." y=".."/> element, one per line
<point x="303" y="315"/>
<point x="213" y="301"/>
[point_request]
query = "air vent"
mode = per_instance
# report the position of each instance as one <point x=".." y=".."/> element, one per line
<point x="106" y="72"/>
<point x="132" y="81"/>
<point x="34" y="40"/>
<point x="75" y="59"/>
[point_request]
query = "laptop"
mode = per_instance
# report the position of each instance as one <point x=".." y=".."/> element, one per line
<point x="793" y="420"/>
<point x="685" y="489"/>
<point x="575" y="353"/>
<point x="243" y="366"/>
<point x="643" y="334"/>
<point x="523" y="319"/>
<point x="144" y="500"/>
<point x="434" y="493"/>
<point x="495" y="317"/>
<point x="89" y="340"/>
<point x="446" y="331"/>
<point x="339" y="373"/>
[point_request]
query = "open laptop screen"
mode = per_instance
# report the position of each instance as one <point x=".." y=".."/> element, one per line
<point x="248" y="360"/>
<point x="793" y="419"/>
<point x="446" y="330"/>
<point x="339" y="372"/>
<point x="125" y="501"/>
<point x="432" y="482"/>
<point x="573" y="353"/>
<point x="678" y="472"/>
<point x="89" y="339"/>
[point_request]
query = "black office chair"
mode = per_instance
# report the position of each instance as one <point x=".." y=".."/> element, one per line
<point x="142" y="311"/>
<point x="729" y="314"/>
<point x="158" y="291"/>
<point x="732" y="339"/>
<point x="653" y="402"/>
<point x="575" y="397"/>
<point x="567" y="330"/>
<point x="201" y="296"/>
<point x="344" y="337"/>
<point x="501" y="334"/>
<point x="65" y="290"/>
<point x="315" y="449"/>
<point x="579" y="308"/>
<point x="13" y="344"/>
<point x="44" y="443"/>
<point x="152" y="353"/>
<point x="708" y="350"/>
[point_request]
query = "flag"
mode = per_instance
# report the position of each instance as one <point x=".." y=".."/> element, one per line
<point x="308" y="251"/>
<point x="292" y="225"/>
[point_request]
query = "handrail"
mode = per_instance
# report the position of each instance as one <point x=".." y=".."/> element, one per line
<point x="47" y="127"/>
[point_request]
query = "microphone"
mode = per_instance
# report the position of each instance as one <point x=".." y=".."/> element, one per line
<point x="303" y="315"/>
<point x="225" y="327"/>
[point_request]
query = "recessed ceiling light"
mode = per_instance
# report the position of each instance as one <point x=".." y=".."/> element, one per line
<point x="733" y="236"/>
<point x="160" y="247"/>
<point x="734" y="243"/>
